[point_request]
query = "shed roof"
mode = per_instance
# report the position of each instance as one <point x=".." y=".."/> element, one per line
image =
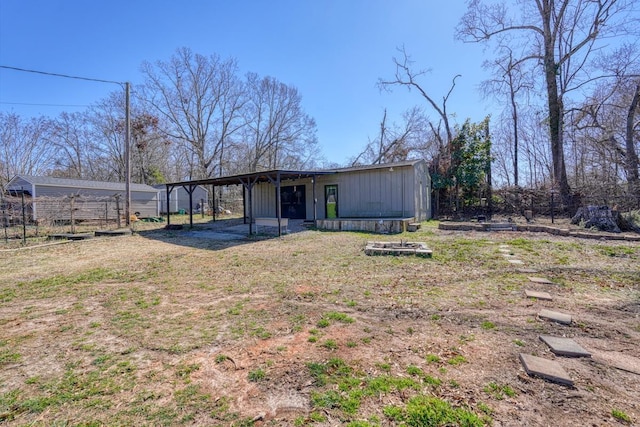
<point x="273" y="175"/>
<point x="254" y="177"/>
<point x="48" y="181"/>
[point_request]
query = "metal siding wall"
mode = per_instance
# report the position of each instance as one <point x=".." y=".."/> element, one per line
<point x="141" y="201"/>
<point x="361" y="194"/>
<point x="264" y="203"/>
<point x="19" y="184"/>
<point x="183" y="197"/>
<point x="145" y="203"/>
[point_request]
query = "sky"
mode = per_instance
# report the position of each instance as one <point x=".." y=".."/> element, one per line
<point x="333" y="51"/>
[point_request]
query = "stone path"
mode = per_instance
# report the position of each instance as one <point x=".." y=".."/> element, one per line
<point x="545" y="296"/>
<point x="552" y="370"/>
<point x="554" y="316"/>
<point x="564" y="346"/>
<point x="540" y="280"/>
<point x="544" y="368"/>
<point x="538" y="366"/>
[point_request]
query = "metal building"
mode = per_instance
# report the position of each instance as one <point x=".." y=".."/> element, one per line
<point x="52" y="198"/>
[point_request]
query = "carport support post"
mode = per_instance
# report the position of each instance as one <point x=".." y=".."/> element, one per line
<point x="190" y="191"/>
<point x="315" y="201"/>
<point x="213" y="202"/>
<point x="169" y="190"/>
<point x="276" y="183"/>
<point x="247" y="188"/>
<point x="278" y="205"/>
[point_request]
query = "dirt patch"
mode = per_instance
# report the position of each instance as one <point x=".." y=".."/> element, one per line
<point x="168" y="328"/>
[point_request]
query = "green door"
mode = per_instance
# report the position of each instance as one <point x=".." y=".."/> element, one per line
<point x="331" y="201"/>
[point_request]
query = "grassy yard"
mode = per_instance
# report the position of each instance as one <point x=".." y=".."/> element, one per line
<point x="163" y="329"/>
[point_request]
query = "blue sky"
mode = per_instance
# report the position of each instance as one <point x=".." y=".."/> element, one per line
<point x="333" y="51"/>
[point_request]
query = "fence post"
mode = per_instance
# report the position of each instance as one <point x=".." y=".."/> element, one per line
<point x="5" y="218"/>
<point x="117" y="197"/>
<point x="73" y="217"/>
<point x="24" y="219"/>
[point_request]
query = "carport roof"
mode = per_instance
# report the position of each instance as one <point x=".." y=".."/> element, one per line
<point x="254" y="177"/>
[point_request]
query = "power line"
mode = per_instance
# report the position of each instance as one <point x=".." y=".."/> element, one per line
<point x="67" y="76"/>
<point x="42" y="105"/>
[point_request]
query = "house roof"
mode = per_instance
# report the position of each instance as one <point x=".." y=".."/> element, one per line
<point x="48" y="181"/>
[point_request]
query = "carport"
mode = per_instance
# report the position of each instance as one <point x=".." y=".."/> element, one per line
<point x="248" y="180"/>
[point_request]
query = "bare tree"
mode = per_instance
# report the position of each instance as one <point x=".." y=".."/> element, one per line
<point x="407" y="77"/>
<point x="610" y="129"/>
<point x="23" y="147"/>
<point x="277" y="129"/>
<point x="510" y="81"/>
<point x="106" y="119"/>
<point x="72" y="138"/>
<point x="559" y="36"/>
<point x="397" y="142"/>
<point x="149" y="151"/>
<point x="200" y="99"/>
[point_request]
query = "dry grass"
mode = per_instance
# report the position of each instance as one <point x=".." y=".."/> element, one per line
<point x="163" y="329"/>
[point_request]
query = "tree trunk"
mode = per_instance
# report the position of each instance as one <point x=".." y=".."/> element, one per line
<point x="601" y="217"/>
<point x="631" y="163"/>
<point x="555" y="110"/>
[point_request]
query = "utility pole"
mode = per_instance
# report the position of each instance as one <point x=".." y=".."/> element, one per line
<point x="127" y="155"/>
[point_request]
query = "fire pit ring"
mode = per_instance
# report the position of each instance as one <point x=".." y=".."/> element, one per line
<point x="398" y="248"/>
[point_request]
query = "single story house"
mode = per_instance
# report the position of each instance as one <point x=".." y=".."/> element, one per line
<point x="384" y="197"/>
<point x="179" y="199"/>
<point x="55" y="198"/>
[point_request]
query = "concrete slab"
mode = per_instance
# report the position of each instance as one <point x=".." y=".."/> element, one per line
<point x="624" y="362"/>
<point x="541" y="280"/>
<point x="564" y="346"/>
<point x="515" y="261"/>
<point x="118" y="232"/>
<point x="538" y="295"/>
<point x="215" y="235"/>
<point x="554" y="316"/>
<point x="544" y="368"/>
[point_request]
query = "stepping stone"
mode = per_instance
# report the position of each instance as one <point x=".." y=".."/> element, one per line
<point x="564" y="346"/>
<point x="527" y="270"/>
<point x="504" y="250"/>
<point x="538" y="295"/>
<point x="554" y="316"/>
<point x="541" y="280"/>
<point x="544" y="368"/>
<point x="515" y="261"/>
<point x="503" y="246"/>
<point x="508" y="255"/>
<point x="622" y="361"/>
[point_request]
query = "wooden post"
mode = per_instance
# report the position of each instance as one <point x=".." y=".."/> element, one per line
<point x="72" y="205"/>
<point x="24" y="220"/>
<point x="117" y="197"/>
<point x="169" y="189"/>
